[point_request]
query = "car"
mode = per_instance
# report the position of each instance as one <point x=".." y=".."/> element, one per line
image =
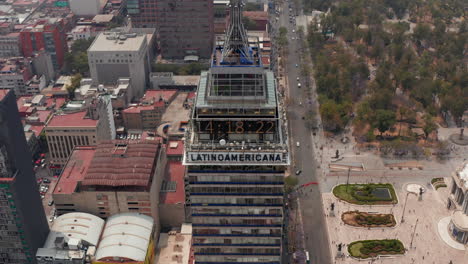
<point x="45" y="180"/>
<point x="297" y="78"/>
<point x="51" y="202"/>
<point x="42" y="161"/>
<point x="298" y="144"/>
<point x="42" y="155"/>
<point x="294" y="31"/>
<point x="42" y="196"/>
<point x="51" y="219"/>
<point x="298" y="85"/>
<point x="298" y="172"/>
<point x="297" y="65"/>
<point x="38" y="162"/>
<point x="43" y="165"/>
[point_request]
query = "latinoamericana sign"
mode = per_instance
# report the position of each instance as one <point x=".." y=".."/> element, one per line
<point x="206" y="157"/>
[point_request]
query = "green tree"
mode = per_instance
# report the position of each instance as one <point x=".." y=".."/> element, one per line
<point x="249" y="23"/>
<point x="384" y="120"/>
<point x="429" y="125"/>
<point x="75" y="83"/>
<point x="289" y="183"/>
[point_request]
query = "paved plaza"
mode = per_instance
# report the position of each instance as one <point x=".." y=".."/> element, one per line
<point x="419" y="231"/>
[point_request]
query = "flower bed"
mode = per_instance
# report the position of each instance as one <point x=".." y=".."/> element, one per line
<point x="382" y="193"/>
<point x="373" y="248"/>
<point x="363" y="219"/>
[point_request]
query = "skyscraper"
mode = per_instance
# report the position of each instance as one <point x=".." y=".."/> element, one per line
<point x="236" y="154"/>
<point x="22" y="219"/>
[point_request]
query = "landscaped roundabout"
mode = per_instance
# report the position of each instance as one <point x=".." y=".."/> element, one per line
<point x="371" y="194"/>
<point x="372" y="248"/>
<point x="363" y="219"/>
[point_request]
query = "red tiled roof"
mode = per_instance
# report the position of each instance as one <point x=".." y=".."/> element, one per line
<point x="175" y="148"/>
<point x="175" y="173"/>
<point x="58" y="102"/>
<point x="191" y="95"/>
<point x="74" y="170"/>
<point x="122" y="163"/>
<point x="72" y="120"/>
<point x="138" y="109"/>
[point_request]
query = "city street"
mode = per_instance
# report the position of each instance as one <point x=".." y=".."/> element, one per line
<point x="315" y="234"/>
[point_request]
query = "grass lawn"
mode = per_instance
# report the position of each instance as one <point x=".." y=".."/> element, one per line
<point x="373" y="248"/>
<point x="365" y="193"/>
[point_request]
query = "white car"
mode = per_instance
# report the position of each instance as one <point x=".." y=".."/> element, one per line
<point x="297" y="78"/>
<point x="294" y="31"/>
<point x="298" y="144"/>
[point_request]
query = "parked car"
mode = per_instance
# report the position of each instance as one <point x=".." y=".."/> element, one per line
<point x="298" y="172"/>
<point x="45" y="180"/>
<point x="51" y="202"/>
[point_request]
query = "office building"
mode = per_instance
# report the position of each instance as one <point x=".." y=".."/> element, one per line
<point x="184" y="27"/>
<point x="236" y="155"/>
<point x="115" y="55"/>
<point x="85" y="7"/>
<point x="47" y="36"/>
<point x="15" y="73"/>
<point x="83" y="128"/>
<point x="24" y="224"/>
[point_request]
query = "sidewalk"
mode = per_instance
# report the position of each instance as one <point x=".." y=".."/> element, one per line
<point x="422" y="240"/>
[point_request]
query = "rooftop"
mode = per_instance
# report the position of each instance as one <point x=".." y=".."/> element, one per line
<point x="74" y="170"/>
<point x="82" y="226"/>
<point x="175" y="175"/>
<point x="112" y="41"/>
<point x="125" y="236"/>
<point x="72" y="120"/>
<point x="165" y="95"/>
<point x="175" y="148"/>
<point x="175" y="247"/>
<point x="103" y="18"/>
<point x="122" y="163"/>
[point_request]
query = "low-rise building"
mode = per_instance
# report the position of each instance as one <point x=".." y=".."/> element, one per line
<point x="118" y="92"/>
<point x="175" y="247"/>
<point x="172" y="201"/>
<point x="14" y="74"/>
<point x="458" y="200"/>
<point x="69" y="239"/>
<point x="10" y="45"/>
<point x="147" y="114"/>
<point x="83" y="32"/>
<point x="127" y="238"/>
<point x="113" y="177"/>
<point x="59" y="88"/>
<point x="65" y="131"/>
<point x="167" y="80"/>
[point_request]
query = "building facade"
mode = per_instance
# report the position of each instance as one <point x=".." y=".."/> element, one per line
<point x="111" y="178"/>
<point x="115" y="55"/>
<point x="64" y="132"/>
<point x="85" y="7"/>
<point x="10" y="45"/>
<point x="458" y="200"/>
<point x="24" y="225"/>
<point x="15" y="74"/>
<point x="43" y="35"/>
<point x="236" y="155"/>
<point x="184" y="27"/>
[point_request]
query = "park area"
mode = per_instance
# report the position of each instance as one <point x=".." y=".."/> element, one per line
<point x="371" y="194"/>
<point x="373" y="248"/>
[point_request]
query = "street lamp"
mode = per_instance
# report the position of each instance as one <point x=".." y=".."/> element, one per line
<point x="404" y="207"/>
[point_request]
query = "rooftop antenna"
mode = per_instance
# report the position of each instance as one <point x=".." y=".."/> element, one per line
<point x="236" y="43"/>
